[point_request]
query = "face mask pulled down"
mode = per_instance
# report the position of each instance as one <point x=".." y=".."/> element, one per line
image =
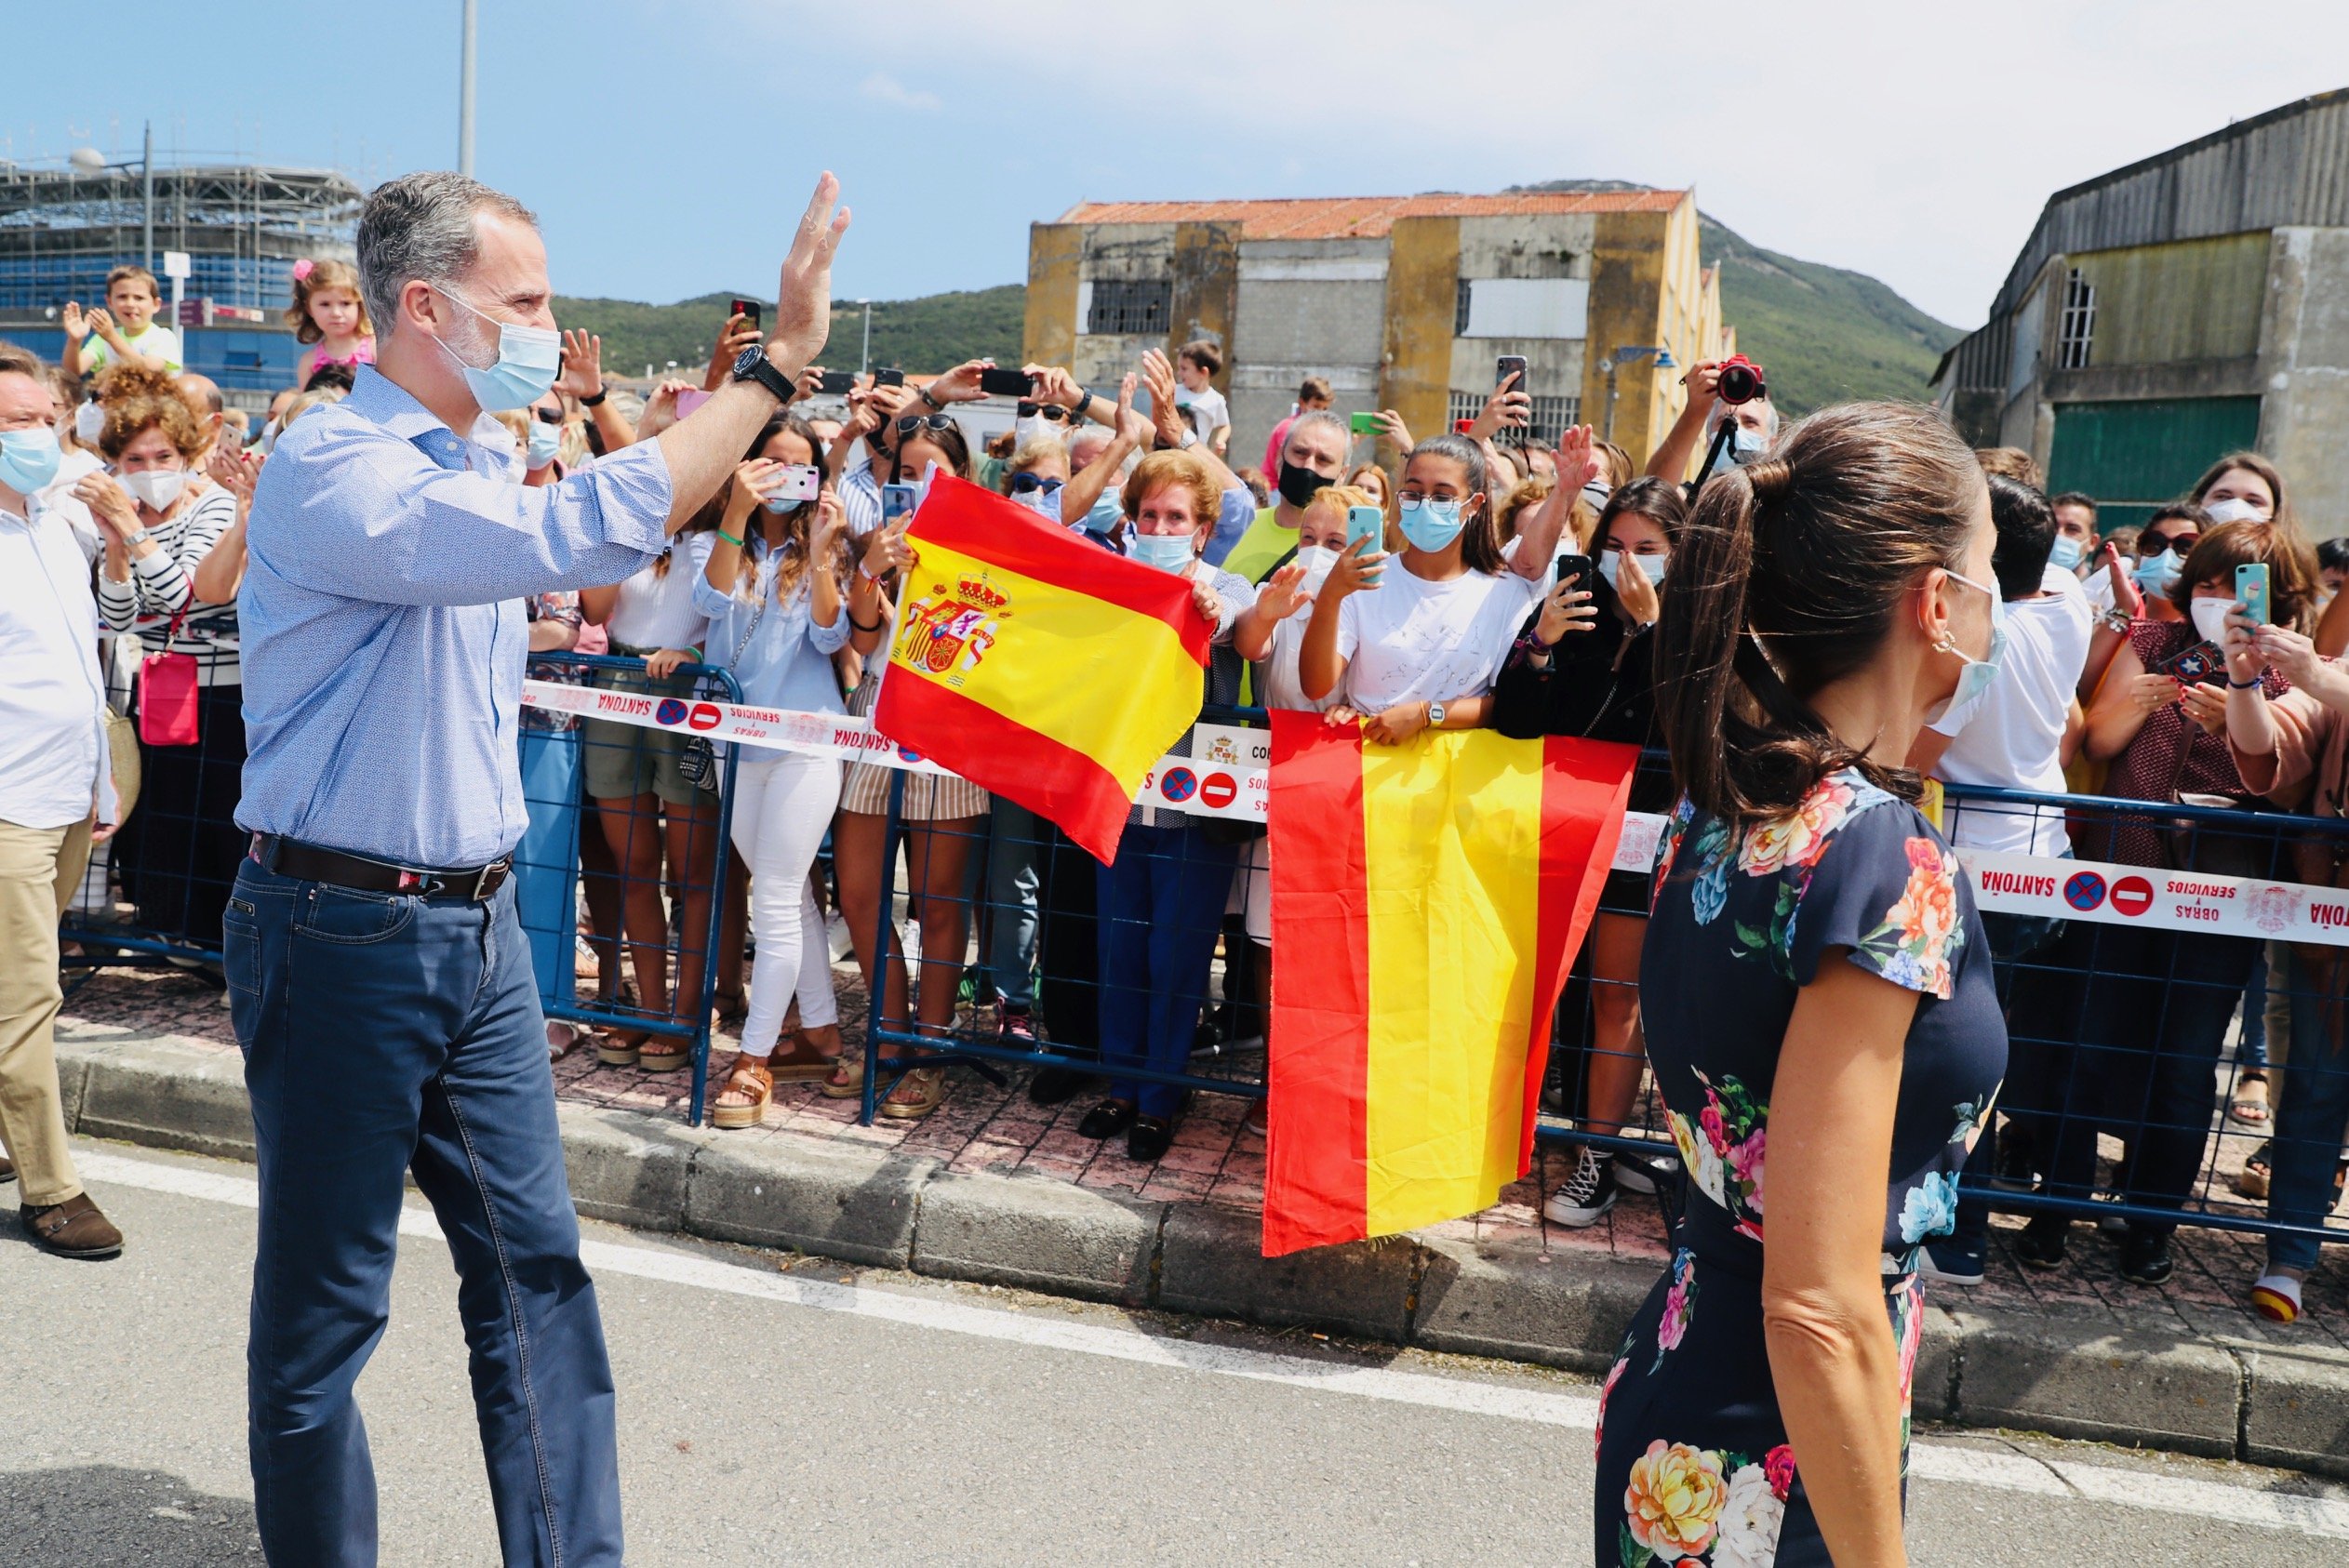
<point x="1978" y="674"/>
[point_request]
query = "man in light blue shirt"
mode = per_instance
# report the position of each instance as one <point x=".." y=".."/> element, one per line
<point x="379" y="976"/>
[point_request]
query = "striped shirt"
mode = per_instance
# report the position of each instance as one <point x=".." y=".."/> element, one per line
<point x="161" y="586"/>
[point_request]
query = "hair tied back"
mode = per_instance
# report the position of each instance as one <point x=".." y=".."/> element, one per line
<point x="1769" y="478"/>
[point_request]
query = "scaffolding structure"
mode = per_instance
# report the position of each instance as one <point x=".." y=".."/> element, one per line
<point x="64" y="224"/>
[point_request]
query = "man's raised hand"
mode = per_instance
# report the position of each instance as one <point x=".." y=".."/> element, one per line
<point x="803" y="300"/>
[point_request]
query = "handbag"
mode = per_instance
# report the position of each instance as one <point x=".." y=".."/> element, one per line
<point x="2200" y="845"/>
<point x="698" y="764"/>
<point x="168" y="695"/>
<point x="122" y="755"/>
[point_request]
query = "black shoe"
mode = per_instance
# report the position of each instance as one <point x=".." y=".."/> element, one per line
<point x="1149" y="1139"/>
<point x="1055" y="1085"/>
<point x="2041" y="1243"/>
<point x="9" y="1169"/>
<point x="1589" y="1192"/>
<point x="1106" y="1120"/>
<point x="2013" y="1171"/>
<point x="2145" y="1257"/>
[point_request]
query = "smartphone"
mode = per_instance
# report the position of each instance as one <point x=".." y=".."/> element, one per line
<point x="837" y="381"/>
<point x="748" y="310"/>
<point x="1573" y="570"/>
<point x="1508" y="366"/>
<point x="690" y="399"/>
<point x="800" y="483"/>
<point x="898" y="502"/>
<point x="1365" y="523"/>
<point x="1005" y="383"/>
<point x="889" y="376"/>
<point x="1363" y="424"/>
<point x="2251" y="590"/>
<point x="1461" y="426"/>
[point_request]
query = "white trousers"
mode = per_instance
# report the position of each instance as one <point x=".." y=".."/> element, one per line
<point x="781" y="809"/>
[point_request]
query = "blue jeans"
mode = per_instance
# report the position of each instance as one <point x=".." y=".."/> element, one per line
<point x="1017" y="840"/>
<point x="545" y="888"/>
<point x="1161" y="911"/>
<point x="2311" y="1119"/>
<point x="384" y="1034"/>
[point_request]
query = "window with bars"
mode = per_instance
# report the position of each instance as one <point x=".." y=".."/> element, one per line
<point x="1124" y="306"/>
<point x="1551" y="415"/>
<point x="1463" y="296"/>
<point x="2075" y="331"/>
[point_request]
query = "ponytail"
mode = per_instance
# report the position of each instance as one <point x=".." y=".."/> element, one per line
<point x="1785" y="579"/>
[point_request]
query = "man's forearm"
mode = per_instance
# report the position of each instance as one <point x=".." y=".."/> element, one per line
<point x="1670" y="461"/>
<point x="703" y="449"/>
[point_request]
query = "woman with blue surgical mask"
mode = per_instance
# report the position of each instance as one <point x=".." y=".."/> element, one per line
<point x="1417" y="638"/>
<point x="1581" y="666"/>
<point x="1037" y="472"/>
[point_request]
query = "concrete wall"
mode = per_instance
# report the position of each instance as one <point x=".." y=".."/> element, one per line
<point x="1422" y="279"/>
<point x="1055" y="251"/>
<point x="1627" y="285"/>
<point x="2304" y="371"/>
<point x="1306" y="308"/>
<point x="1544" y="246"/>
<point x="1207" y="283"/>
<point x="2191" y="299"/>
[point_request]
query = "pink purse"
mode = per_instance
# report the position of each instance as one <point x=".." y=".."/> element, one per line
<point x="168" y="695"/>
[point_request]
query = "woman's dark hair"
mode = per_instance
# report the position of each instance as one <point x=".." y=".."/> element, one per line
<point x="2332" y="555"/>
<point x="950" y="441"/>
<point x="2027" y="535"/>
<point x="1480" y="536"/>
<point x="2291" y="568"/>
<point x="713" y="512"/>
<point x="1659" y="500"/>
<point x="2251" y="462"/>
<point x="1787" y="577"/>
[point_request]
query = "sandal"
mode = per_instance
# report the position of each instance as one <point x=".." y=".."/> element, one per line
<point x="836" y="1087"/>
<point x="928" y="1091"/>
<point x="802" y="1063"/>
<point x="730" y="1006"/>
<point x="750" y="1078"/>
<point x="665" y="1052"/>
<point x="620" y="1046"/>
<point x="2249" y="1107"/>
<point x="562" y="1039"/>
<point x="2252" y="1181"/>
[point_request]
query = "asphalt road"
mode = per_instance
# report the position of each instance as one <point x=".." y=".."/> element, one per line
<point x="843" y="1417"/>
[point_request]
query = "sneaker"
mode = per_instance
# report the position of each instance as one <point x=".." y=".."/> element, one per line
<point x="2145" y="1257"/>
<point x="2041" y="1245"/>
<point x="1017" y="1027"/>
<point x="1586" y="1196"/>
<point x="1645" y="1173"/>
<point x="1952" y="1262"/>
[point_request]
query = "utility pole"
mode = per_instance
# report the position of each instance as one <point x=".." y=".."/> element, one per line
<point x="147" y="224"/>
<point x="465" y="97"/>
<point x="864" y="361"/>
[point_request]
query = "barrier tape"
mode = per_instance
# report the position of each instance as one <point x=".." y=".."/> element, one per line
<point x="1228" y="775"/>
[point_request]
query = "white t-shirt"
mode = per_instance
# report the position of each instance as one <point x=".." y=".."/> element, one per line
<point x="2012" y="737"/>
<point x="1282" y="687"/>
<point x="158" y="339"/>
<point x="1409" y="640"/>
<point x="1206" y="409"/>
<point x="657" y="612"/>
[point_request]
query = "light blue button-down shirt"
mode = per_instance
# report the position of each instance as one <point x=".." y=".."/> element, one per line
<point x="784" y="658"/>
<point x="384" y="634"/>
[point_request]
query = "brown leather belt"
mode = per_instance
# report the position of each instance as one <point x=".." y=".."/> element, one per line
<point x="311" y="862"/>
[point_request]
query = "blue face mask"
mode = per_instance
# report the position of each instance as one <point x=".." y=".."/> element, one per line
<point x="1428" y="523"/>
<point x="1107" y="512"/>
<point x="29" y="458"/>
<point x="1610" y="567"/>
<point x="528" y="360"/>
<point x="2158" y="574"/>
<point x="1169" y="552"/>
<point x="2067" y="553"/>
<point x="1976" y="677"/>
<point x="545" y="441"/>
<point x="1044" y="503"/>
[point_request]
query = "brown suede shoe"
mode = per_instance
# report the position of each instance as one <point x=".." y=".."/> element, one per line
<point x="72" y="1228"/>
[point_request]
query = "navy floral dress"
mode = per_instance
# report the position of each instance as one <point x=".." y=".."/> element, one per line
<point x="1693" y="1461"/>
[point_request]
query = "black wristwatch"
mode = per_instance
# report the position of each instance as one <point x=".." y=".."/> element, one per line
<point x="597" y="401"/>
<point x="926" y="396"/>
<point x="752" y="364"/>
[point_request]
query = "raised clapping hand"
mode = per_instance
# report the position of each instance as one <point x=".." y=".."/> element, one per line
<point x="2127" y="596"/>
<point x="75" y="321"/>
<point x="1580" y="460"/>
<point x="583" y="364"/>
<point x="109" y="502"/>
<point x="1130" y="425"/>
<point x="803" y="297"/>
<point x="1157" y="373"/>
<point x="1568" y="609"/>
<point x="1284" y="593"/>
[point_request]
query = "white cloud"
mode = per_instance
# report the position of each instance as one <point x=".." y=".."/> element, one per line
<point x="882" y="87"/>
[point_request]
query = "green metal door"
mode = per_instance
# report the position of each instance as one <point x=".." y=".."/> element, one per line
<point x="2134" y="456"/>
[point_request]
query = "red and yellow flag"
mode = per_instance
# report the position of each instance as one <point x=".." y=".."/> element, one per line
<point x="1037" y="665"/>
<point x="1427" y="900"/>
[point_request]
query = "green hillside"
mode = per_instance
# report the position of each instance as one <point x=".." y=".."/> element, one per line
<point x="1823" y="333"/>
<point x="928" y="334"/>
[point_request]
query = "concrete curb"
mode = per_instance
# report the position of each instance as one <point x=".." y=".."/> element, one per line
<point x="2285" y="1406"/>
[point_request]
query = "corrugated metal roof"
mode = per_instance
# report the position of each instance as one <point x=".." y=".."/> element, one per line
<point x="1369" y="217"/>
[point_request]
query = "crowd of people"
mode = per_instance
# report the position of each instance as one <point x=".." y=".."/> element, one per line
<point x="1447" y="610"/>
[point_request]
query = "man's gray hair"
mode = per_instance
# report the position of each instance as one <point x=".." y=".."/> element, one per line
<point x="1307" y="420"/>
<point x="421" y="226"/>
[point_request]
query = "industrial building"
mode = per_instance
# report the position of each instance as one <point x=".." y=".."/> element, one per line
<point x="64" y="224"/>
<point x="1401" y="302"/>
<point x="2165" y="314"/>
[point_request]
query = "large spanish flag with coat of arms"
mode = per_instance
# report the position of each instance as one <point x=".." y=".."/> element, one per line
<point x="1037" y="665"/>
<point x="1427" y="900"/>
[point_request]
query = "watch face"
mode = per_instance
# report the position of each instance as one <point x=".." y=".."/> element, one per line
<point x="747" y="360"/>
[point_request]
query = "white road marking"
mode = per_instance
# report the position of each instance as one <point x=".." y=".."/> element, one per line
<point x="1957" y="1463"/>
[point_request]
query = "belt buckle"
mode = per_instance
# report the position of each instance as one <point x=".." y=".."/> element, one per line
<point x="489" y="878"/>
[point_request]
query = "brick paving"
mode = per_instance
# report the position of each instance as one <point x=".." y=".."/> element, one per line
<point x="1215" y="1159"/>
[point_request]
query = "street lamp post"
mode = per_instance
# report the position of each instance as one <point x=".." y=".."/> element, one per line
<point x="864" y="361"/>
<point x="1629" y="354"/>
<point x="465" y="97"/>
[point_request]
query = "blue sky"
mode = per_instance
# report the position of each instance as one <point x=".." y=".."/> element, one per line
<point x="668" y="147"/>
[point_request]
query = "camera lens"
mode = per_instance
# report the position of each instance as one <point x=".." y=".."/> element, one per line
<point x="1740" y="384"/>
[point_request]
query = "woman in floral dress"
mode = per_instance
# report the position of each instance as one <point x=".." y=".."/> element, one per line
<point x="1818" y="998"/>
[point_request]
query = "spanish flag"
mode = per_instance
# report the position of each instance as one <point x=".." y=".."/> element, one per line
<point x="1427" y="900"/>
<point x="1040" y="666"/>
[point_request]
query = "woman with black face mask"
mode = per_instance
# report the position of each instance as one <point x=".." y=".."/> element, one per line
<point x="1312" y="456"/>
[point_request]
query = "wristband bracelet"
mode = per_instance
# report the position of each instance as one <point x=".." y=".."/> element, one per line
<point x="728" y="538"/>
<point x="2233" y="684"/>
<point x="597" y="401"/>
<point x="862" y="627"/>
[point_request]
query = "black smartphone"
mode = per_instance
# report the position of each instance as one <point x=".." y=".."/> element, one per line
<point x="837" y="382"/>
<point x="1005" y="383"/>
<point x="748" y="310"/>
<point x="889" y="376"/>
<point x="1573" y="570"/>
<point x="1511" y="365"/>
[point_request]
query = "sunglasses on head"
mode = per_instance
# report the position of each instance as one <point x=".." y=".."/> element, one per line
<point x="1028" y="483"/>
<point x="908" y="423"/>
